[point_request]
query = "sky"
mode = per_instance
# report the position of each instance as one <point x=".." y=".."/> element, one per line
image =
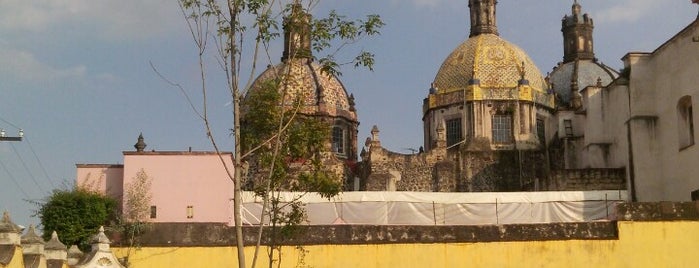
<point x="78" y="76"/>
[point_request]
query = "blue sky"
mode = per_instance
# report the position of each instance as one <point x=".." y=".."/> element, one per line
<point x="76" y="76"/>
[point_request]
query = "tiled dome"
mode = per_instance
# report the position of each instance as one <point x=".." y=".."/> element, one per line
<point x="584" y="72"/>
<point x="320" y="93"/>
<point x="495" y="62"/>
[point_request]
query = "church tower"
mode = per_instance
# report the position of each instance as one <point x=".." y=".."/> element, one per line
<point x="577" y="36"/>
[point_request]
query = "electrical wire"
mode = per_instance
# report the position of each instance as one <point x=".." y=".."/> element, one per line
<point x="9" y="123"/>
<point x="48" y="178"/>
<point x="14" y="180"/>
<point x="24" y="164"/>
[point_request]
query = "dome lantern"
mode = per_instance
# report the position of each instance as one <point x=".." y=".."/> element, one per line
<point x="483" y="19"/>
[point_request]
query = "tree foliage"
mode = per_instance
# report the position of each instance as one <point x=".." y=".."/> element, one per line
<point x="137" y="198"/>
<point x="292" y="155"/>
<point x="279" y="139"/>
<point x="76" y="215"/>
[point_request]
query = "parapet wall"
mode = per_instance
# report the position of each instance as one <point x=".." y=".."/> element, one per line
<point x="216" y="234"/>
<point x="647" y="235"/>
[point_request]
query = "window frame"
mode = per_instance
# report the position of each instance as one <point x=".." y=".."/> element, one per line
<point x="454" y="130"/>
<point x="685" y="123"/>
<point x="502" y="128"/>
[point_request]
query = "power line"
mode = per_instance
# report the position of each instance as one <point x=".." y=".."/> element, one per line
<point x="26" y="168"/>
<point x="48" y="178"/>
<point x="9" y="123"/>
<point x="14" y="180"/>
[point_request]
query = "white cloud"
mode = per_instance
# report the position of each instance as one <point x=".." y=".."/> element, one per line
<point x="628" y="10"/>
<point x="109" y="19"/>
<point x="23" y="65"/>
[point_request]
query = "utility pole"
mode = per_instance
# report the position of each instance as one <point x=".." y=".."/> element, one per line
<point x="4" y="138"/>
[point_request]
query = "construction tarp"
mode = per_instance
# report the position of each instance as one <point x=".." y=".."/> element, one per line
<point x="423" y="208"/>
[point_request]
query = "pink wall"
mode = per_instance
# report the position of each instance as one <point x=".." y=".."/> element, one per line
<point x="108" y="179"/>
<point x="182" y="179"/>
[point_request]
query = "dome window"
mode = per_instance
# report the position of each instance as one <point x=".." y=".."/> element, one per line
<point x="502" y="128"/>
<point x="339" y="141"/>
<point x="454" y="132"/>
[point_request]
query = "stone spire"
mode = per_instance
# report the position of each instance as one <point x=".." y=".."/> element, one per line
<point x="9" y="231"/>
<point x="100" y="242"/>
<point x="55" y="249"/>
<point x="297" y="33"/>
<point x="74" y="255"/>
<point x="32" y="244"/>
<point x="483" y="20"/>
<point x="140" y="145"/>
<point x="577" y="35"/>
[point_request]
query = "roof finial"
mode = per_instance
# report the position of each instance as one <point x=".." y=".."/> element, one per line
<point x="140" y="145"/>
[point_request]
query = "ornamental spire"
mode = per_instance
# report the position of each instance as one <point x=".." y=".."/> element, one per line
<point x="483" y="20"/>
<point x="297" y="33"/>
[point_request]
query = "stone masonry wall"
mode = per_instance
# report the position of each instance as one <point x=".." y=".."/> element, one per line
<point x="586" y="179"/>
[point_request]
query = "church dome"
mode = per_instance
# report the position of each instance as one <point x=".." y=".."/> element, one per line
<point x="319" y="92"/>
<point x="492" y="62"/>
<point x="581" y="74"/>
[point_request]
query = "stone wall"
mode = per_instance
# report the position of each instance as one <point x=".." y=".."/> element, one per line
<point x="585" y="179"/>
<point x="423" y="172"/>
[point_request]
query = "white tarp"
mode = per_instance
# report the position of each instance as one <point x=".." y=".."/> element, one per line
<point x="422" y="208"/>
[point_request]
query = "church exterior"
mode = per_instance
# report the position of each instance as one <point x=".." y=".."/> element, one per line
<point x="494" y="123"/>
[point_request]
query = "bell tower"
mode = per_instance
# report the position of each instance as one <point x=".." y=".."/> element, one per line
<point x="577" y="36"/>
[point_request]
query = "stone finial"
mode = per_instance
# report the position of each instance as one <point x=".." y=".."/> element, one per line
<point x="9" y="231"/>
<point x="140" y="145"/>
<point x="32" y="243"/>
<point x="6" y="224"/>
<point x="375" y="142"/>
<point x="375" y="133"/>
<point x="351" y="103"/>
<point x="55" y="243"/>
<point x="100" y="242"/>
<point x="74" y="255"/>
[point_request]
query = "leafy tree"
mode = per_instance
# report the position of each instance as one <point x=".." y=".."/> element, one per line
<point x="230" y="27"/>
<point x="76" y="215"/>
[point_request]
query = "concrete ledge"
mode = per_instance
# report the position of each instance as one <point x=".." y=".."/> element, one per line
<point x="213" y="234"/>
<point x="658" y="211"/>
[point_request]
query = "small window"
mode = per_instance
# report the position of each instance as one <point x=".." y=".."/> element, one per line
<point x="568" y="125"/>
<point x="454" y="133"/>
<point x="190" y="212"/>
<point x="338" y="145"/>
<point x="685" y="122"/>
<point x="541" y="130"/>
<point x="153" y="212"/>
<point x="502" y="128"/>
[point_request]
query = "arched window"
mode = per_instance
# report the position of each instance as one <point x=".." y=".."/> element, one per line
<point x="685" y="122"/>
<point x="339" y="142"/>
